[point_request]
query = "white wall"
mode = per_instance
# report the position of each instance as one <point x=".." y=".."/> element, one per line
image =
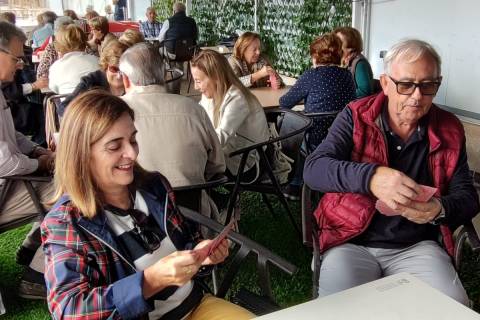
<point x="138" y="9"/>
<point x="453" y="28"/>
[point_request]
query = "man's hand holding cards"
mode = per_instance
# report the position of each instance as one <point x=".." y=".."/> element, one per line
<point x="425" y="194"/>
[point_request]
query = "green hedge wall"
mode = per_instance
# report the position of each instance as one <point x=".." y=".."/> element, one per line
<point x="286" y="26"/>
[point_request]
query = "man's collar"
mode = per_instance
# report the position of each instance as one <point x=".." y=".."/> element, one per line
<point x="421" y="125"/>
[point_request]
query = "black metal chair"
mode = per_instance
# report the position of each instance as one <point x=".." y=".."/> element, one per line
<point x="27" y="180"/>
<point x="179" y="51"/>
<point x="291" y="127"/>
<point x="465" y="235"/>
<point x="319" y="129"/>
<point x="188" y="198"/>
<point x="173" y="80"/>
<point x="258" y="304"/>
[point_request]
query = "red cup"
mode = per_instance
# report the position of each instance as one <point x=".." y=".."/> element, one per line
<point x="274" y="82"/>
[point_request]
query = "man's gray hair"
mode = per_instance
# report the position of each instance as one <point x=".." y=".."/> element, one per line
<point x="8" y="32"/>
<point x="411" y="50"/>
<point x="61" y="22"/>
<point x="150" y="9"/>
<point x="143" y="65"/>
<point x="179" y="6"/>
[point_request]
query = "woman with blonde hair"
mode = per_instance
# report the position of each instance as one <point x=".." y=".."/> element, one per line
<point x="115" y="244"/>
<point x="249" y="65"/>
<point x="131" y="37"/>
<point x="108" y="77"/>
<point x="236" y="114"/>
<point x="73" y="63"/>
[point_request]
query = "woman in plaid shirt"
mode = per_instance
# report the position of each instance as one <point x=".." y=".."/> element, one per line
<point x="115" y="245"/>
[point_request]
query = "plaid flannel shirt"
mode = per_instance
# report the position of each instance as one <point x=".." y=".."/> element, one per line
<point x="87" y="273"/>
<point x="150" y="29"/>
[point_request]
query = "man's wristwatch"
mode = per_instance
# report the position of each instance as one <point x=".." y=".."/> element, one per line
<point x="440" y="218"/>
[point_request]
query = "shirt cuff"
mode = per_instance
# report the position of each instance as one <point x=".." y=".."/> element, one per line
<point x="27" y="88"/>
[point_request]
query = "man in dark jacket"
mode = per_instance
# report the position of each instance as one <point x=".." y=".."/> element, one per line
<point x="178" y="27"/>
<point x="384" y="147"/>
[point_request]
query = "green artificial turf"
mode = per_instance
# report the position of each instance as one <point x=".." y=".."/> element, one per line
<point x="274" y="232"/>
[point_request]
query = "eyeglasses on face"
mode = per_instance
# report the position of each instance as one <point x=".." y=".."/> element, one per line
<point x="18" y="60"/>
<point x="427" y="88"/>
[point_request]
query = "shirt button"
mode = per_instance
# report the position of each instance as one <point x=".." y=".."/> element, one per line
<point x="399" y="148"/>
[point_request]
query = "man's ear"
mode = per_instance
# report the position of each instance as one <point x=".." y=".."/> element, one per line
<point x="384" y="83"/>
<point x="126" y="82"/>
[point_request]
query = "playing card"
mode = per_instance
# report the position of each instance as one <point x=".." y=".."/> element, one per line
<point x="426" y="192"/>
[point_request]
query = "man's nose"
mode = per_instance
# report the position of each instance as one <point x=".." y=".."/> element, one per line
<point x="417" y="94"/>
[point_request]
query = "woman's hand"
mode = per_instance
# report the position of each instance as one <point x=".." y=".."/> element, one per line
<point x="262" y="73"/>
<point x="218" y="255"/>
<point x="175" y="269"/>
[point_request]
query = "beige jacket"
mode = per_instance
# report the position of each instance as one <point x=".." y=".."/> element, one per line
<point x="175" y="136"/>
<point x="240" y="126"/>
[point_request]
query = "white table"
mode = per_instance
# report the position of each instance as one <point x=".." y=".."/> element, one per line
<point x="397" y="297"/>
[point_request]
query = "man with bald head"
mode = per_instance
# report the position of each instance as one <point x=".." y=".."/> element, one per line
<point x="384" y="147"/>
<point x="150" y="28"/>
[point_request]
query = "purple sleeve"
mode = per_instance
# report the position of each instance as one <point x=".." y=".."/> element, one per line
<point x="461" y="199"/>
<point x="329" y="168"/>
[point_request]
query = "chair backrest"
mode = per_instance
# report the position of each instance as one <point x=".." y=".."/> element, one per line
<point x="309" y="203"/>
<point x="184" y="49"/>
<point x="52" y="120"/>
<point x="291" y="127"/>
<point x="173" y="80"/>
<point x="319" y="129"/>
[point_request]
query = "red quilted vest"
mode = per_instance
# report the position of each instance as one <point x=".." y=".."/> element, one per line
<point x="342" y="216"/>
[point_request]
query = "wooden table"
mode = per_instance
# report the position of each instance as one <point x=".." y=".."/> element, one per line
<point x="268" y="97"/>
<point x="398" y="297"/>
<point x="220" y="49"/>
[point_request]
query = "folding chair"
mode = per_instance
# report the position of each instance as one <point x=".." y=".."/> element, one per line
<point x="291" y="127"/>
<point x="27" y="181"/>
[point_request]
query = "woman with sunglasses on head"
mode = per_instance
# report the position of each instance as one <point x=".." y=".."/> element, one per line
<point x="236" y="114"/>
<point x="108" y="77"/>
<point x="115" y="244"/>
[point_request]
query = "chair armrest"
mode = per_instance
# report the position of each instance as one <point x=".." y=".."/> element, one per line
<point x="472" y="236"/>
<point x="29" y="177"/>
<point x="246" y="247"/>
<point x="214" y="182"/>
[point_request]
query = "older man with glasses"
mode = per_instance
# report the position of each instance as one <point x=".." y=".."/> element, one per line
<point x="381" y="152"/>
<point x="20" y="156"/>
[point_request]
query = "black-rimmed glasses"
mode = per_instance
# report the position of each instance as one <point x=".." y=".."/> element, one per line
<point x="427" y="88"/>
<point x="18" y="60"/>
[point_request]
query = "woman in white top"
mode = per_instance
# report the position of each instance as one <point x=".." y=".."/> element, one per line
<point x="65" y="73"/>
<point x="237" y="116"/>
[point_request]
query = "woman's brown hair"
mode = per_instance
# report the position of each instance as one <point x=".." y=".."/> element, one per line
<point x="242" y="44"/>
<point x="87" y="120"/>
<point x="326" y="49"/>
<point x="352" y="39"/>
<point x="99" y="23"/>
